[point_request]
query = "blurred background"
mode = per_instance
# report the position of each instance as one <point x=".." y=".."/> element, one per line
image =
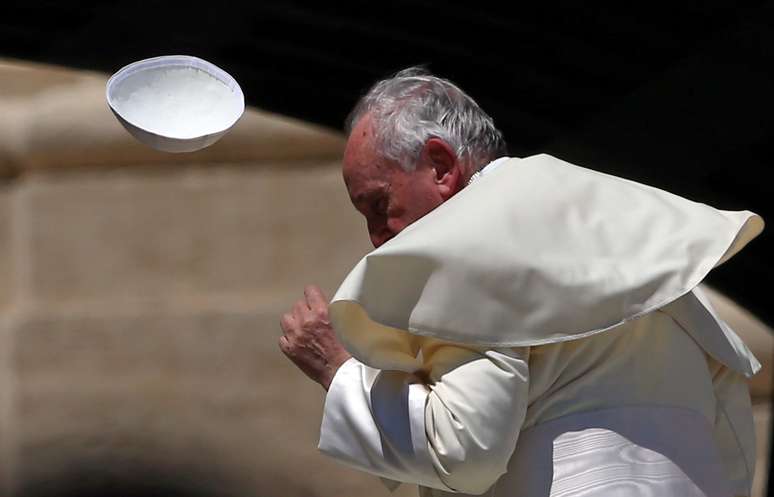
<point x="140" y="292"/>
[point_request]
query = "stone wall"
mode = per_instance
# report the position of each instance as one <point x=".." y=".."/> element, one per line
<point x="140" y="300"/>
<point x="143" y="323"/>
<point x="140" y="297"/>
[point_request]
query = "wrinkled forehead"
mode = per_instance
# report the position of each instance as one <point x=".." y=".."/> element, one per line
<point x="363" y="179"/>
<point x="361" y="136"/>
<point x="362" y="162"/>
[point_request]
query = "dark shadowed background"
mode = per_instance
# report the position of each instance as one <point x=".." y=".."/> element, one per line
<point x="678" y="96"/>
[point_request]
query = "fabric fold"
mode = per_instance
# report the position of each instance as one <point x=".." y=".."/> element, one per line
<point x="538" y="251"/>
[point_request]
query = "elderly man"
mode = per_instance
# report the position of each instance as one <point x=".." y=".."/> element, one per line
<point x="523" y="326"/>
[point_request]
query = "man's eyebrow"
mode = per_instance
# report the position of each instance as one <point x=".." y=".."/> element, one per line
<point x="368" y="194"/>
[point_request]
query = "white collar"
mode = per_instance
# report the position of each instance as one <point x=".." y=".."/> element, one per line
<point x="488" y="168"/>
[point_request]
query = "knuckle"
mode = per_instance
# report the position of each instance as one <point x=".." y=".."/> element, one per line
<point x="287" y="348"/>
<point x="282" y="345"/>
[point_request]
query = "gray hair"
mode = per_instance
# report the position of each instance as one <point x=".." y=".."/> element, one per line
<point x="413" y="106"/>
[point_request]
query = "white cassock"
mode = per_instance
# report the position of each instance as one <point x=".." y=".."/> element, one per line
<point x="543" y="333"/>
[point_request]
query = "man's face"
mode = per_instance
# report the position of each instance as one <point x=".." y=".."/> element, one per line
<point x="389" y="197"/>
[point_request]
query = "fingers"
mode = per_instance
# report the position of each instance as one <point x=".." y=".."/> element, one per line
<point x="301" y="310"/>
<point x="307" y="317"/>
<point x="287" y="323"/>
<point x="285" y="346"/>
<point x="315" y="298"/>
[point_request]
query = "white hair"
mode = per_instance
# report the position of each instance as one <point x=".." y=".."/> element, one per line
<point x="413" y="106"/>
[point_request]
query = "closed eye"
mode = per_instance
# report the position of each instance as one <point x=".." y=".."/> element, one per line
<point x="379" y="207"/>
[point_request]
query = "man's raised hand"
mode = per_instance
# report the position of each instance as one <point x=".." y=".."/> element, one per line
<point x="309" y="340"/>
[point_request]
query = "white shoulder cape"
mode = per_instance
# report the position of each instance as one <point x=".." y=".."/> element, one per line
<point x="535" y="252"/>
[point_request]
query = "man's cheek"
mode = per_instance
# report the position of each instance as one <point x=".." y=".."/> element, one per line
<point x="396" y="225"/>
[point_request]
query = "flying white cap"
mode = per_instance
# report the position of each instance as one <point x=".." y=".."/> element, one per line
<point x="175" y="103"/>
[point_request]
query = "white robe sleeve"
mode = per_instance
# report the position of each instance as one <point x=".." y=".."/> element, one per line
<point x="456" y="433"/>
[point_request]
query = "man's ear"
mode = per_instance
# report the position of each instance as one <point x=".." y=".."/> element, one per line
<point x="447" y="173"/>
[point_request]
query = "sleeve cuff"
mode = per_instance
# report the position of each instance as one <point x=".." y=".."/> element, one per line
<point x="374" y="421"/>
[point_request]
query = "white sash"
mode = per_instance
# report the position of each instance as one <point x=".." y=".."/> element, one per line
<point x="627" y="451"/>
